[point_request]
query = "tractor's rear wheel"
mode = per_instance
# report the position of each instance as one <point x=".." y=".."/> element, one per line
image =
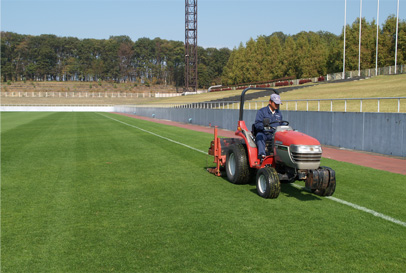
<point x="268" y="184"/>
<point x="237" y="168"/>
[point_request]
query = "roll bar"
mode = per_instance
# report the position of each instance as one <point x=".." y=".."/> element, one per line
<point x="243" y="97"/>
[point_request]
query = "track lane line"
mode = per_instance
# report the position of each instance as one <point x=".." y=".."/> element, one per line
<point x="355" y="206"/>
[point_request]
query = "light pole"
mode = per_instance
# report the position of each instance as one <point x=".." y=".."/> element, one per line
<point x="345" y="27"/>
<point x="397" y="31"/>
<point x="377" y="37"/>
<point x="359" y="46"/>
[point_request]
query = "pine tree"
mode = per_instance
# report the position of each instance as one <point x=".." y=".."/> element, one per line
<point x="275" y="57"/>
<point x="289" y="58"/>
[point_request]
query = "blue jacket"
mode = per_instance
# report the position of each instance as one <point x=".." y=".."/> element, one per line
<point x="266" y="113"/>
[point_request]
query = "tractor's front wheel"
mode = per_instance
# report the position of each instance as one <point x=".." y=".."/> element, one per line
<point x="327" y="182"/>
<point x="268" y="184"/>
<point x="321" y="181"/>
<point x="237" y="168"/>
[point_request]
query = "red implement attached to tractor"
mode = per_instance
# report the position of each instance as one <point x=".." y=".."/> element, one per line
<point x="290" y="156"/>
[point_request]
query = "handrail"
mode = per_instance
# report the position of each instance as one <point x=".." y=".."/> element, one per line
<point x="233" y="104"/>
<point x="58" y="105"/>
<point x="378" y="98"/>
<point x="258" y="104"/>
<point x="345" y="102"/>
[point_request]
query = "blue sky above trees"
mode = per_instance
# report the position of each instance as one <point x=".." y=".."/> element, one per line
<point x="221" y="23"/>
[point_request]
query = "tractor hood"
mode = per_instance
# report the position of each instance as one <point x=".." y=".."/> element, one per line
<point x="297" y="150"/>
<point x="287" y="138"/>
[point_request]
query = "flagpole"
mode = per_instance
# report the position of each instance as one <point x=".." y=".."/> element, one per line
<point x="397" y="31"/>
<point x="377" y="37"/>
<point x="345" y="27"/>
<point x="359" y="46"/>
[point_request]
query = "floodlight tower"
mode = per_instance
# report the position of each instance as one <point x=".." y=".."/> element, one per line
<point x="190" y="45"/>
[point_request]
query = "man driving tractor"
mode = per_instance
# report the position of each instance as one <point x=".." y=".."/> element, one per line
<point x="285" y="154"/>
<point x="264" y="117"/>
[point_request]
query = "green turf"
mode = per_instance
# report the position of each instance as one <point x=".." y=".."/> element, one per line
<point x="83" y="193"/>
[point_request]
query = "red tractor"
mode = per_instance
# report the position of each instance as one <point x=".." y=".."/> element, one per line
<point x="290" y="156"/>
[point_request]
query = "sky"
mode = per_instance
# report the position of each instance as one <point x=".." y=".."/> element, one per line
<point x="221" y="23"/>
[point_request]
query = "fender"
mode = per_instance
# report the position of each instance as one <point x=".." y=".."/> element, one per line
<point x="252" y="150"/>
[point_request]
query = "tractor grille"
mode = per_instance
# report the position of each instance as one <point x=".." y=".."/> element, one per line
<point x="306" y="157"/>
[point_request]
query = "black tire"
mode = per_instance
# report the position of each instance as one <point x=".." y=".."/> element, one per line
<point x="331" y="183"/>
<point x="268" y="184"/>
<point x="328" y="180"/>
<point x="237" y="168"/>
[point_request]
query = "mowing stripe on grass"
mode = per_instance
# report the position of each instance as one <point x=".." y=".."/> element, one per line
<point x="355" y="206"/>
<point x="374" y="213"/>
<point x="171" y="140"/>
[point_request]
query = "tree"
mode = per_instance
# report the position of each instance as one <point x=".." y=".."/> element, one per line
<point x="275" y="58"/>
<point x="302" y="51"/>
<point x="250" y="60"/>
<point x="289" y="58"/>
<point x="334" y="61"/>
<point x="387" y="42"/>
<point x="352" y="41"/>
<point x="125" y="54"/>
<point x="317" y="56"/>
<point x="306" y="54"/>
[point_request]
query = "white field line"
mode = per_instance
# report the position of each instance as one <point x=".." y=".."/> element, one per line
<point x="364" y="209"/>
<point x="355" y="206"/>
<point x="171" y="140"/>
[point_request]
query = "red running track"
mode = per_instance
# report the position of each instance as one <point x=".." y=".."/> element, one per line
<point x="375" y="161"/>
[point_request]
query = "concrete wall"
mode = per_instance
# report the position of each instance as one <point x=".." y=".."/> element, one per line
<point x="383" y="133"/>
<point x="57" y="108"/>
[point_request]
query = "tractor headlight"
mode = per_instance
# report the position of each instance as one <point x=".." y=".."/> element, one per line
<point x="306" y="154"/>
<point x="305" y="149"/>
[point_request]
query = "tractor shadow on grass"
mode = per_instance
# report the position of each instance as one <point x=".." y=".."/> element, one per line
<point x="302" y="194"/>
<point x="288" y="190"/>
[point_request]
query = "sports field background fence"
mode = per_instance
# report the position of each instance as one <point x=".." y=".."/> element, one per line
<point x="57" y="108"/>
<point x="391" y="104"/>
<point x="55" y="94"/>
<point x="389" y="70"/>
<point x="382" y="133"/>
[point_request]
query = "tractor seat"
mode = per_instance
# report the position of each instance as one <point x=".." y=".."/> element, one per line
<point x="268" y="143"/>
<point x="253" y="131"/>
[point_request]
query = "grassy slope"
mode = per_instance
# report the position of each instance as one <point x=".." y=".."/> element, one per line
<point x="83" y="193"/>
<point x="382" y="86"/>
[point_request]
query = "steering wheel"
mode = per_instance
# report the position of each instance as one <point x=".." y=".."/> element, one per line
<point x="281" y="123"/>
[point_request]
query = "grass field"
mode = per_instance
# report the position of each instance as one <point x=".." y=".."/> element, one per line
<point x="89" y="192"/>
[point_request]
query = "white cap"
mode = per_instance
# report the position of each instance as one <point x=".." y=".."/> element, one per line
<point x="276" y="99"/>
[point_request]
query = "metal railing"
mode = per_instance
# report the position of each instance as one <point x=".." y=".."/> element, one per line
<point x="70" y="94"/>
<point x="58" y="105"/>
<point x="346" y="100"/>
<point x="369" y="72"/>
<point x="392" y="104"/>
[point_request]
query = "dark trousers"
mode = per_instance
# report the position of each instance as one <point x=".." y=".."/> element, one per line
<point x="260" y="139"/>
